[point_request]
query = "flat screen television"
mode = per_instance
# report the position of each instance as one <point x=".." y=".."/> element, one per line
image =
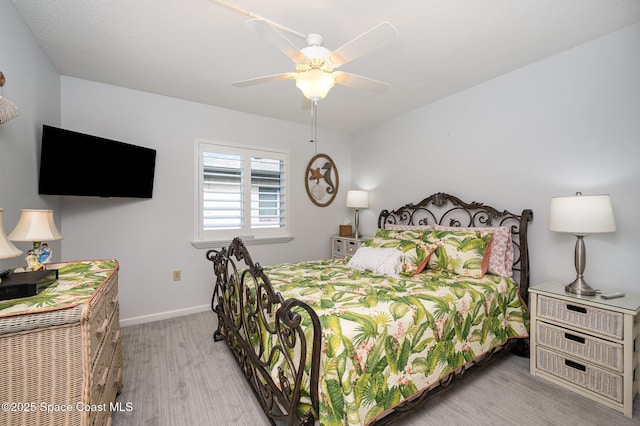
<point x="73" y="163"/>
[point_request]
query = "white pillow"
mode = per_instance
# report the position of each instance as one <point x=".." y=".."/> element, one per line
<point x="380" y="260"/>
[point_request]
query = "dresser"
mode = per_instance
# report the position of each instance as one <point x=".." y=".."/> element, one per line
<point x="61" y="350"/>
<point x="345" y="246"/>
<point x="586" y="344"/>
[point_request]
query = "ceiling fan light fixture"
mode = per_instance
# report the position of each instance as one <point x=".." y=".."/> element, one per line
<point x="315" y="84"/>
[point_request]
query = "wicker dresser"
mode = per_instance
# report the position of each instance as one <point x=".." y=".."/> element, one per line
<point x="586" y="344"/>
<point x="61" y="352"/>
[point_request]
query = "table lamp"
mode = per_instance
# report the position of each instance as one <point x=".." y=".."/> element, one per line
<point x="36" y="226"/>
<point x="581" y="215"/>
<point x="357" y="200"/>
<point x="7" y="249"/>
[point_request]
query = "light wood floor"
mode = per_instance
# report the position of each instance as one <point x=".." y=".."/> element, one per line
<point x="176" y="375"/>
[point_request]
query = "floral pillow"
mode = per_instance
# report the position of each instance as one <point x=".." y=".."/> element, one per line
<point x="464" y="253"/>
<point x="501" y="257"/>
<point x="416" y="251"/>
<point x="400" y="234"/>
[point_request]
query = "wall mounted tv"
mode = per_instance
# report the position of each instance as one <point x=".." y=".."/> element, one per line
<point x="73" y="163"/>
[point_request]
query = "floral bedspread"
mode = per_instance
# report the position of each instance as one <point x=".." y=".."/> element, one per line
<point x="385" y="339"/>
<point x="77" y="282"/>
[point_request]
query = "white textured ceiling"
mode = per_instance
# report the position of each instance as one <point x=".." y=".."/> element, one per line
<point x="195" y="49"/>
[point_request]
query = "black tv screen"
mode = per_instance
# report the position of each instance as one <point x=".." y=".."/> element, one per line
<point x="73" y="163"/>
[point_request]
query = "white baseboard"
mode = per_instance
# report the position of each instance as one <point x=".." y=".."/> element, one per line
<point x="164" y="315"/>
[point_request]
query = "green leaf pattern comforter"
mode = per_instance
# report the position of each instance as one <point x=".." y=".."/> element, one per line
<point x="385" y="339"/>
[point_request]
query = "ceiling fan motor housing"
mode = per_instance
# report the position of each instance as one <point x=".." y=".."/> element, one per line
<point x="316" y="57"/>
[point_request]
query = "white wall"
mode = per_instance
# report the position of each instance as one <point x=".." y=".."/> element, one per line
<point x="151" y="238"/>
<point x="33" y="86"/>
<point x="568" y="123"/>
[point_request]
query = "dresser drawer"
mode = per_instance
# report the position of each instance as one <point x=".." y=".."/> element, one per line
<point x="585" y="375"/>
<point x="102" y="374"/>
<point x="95" y="331"/>
<point x="112" y="293"/>
<point x="112" y="386"/>
<point x="602" y="352"/>
<point x="602" y="321"/>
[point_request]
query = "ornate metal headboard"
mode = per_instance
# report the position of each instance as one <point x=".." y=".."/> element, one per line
<point x="447" y="210"/>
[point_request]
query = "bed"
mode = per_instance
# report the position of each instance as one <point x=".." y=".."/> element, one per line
<point x="364" y="340"/>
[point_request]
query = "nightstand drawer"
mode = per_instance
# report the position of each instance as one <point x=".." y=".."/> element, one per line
<point x="585" y="375"/>
<point x="591" y="349"/>
<point x="338" y="248"/>
<point x="602" y="321"/>
<point x="352" y="247"/>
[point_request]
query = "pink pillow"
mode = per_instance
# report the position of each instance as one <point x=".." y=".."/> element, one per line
<point x="501" y="246"/>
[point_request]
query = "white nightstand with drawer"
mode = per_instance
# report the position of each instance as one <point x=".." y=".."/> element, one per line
<point x="345" y="246"/>
<point x="586" y="344"/>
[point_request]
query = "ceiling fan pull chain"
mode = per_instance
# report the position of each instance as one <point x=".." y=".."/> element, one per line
<point x="314" y="122"/>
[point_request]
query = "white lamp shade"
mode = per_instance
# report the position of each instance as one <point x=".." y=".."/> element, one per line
<point x="35" y="226"/>
<point x="581" y="214"/>
<point x="358" y="199"/>
<point x="7" y="249"/>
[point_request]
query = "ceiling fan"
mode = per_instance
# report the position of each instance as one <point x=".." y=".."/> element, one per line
<point x="315" y="65"/>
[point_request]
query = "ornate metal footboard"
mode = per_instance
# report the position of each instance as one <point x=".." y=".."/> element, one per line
<point x="249" y="311"/>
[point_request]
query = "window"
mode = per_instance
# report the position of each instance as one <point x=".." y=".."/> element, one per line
<point x="242" y="191"/>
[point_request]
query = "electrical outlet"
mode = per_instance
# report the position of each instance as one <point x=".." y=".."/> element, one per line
<point x="177" y="275"/>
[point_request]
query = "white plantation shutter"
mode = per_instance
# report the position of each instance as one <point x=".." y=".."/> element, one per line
<point x="242" y="192"/>
<point x="222" y="192"/>
<point x="267" y="193"/>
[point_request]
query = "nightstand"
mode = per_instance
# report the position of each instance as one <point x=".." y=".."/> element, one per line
<point x="586" y="344"/>
<point x="345" y="246"/>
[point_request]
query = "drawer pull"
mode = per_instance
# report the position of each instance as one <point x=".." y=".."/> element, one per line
<point x="116" y="337"/>
<point x="574" y="338"/>
<point x="118" y="379"/>
<point x="575" y="365"/>
<point x="114" y="300"/>
<point x="103" y="379"/>
<point x="577" y="309"/>
<point x="103" y="327"/>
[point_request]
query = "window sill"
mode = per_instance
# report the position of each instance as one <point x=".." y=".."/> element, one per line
<point x="213" y="244"/>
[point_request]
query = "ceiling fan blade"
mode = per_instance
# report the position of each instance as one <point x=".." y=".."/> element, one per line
<point x="276" y="38"/>
<point x="265" y="79"/>
<point x="364" y="43"/>
<point x="360" y="82"/>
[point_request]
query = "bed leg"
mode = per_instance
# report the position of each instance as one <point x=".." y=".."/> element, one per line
<point x="521" y="348"/>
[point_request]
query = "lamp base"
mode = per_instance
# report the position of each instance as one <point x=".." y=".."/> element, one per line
<point x="580" y="287"/>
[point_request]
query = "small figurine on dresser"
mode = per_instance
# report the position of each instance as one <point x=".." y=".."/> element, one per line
<point x="45" y="254"/>
<point x="32" y="262"/>
<point x="37" y="258"/>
